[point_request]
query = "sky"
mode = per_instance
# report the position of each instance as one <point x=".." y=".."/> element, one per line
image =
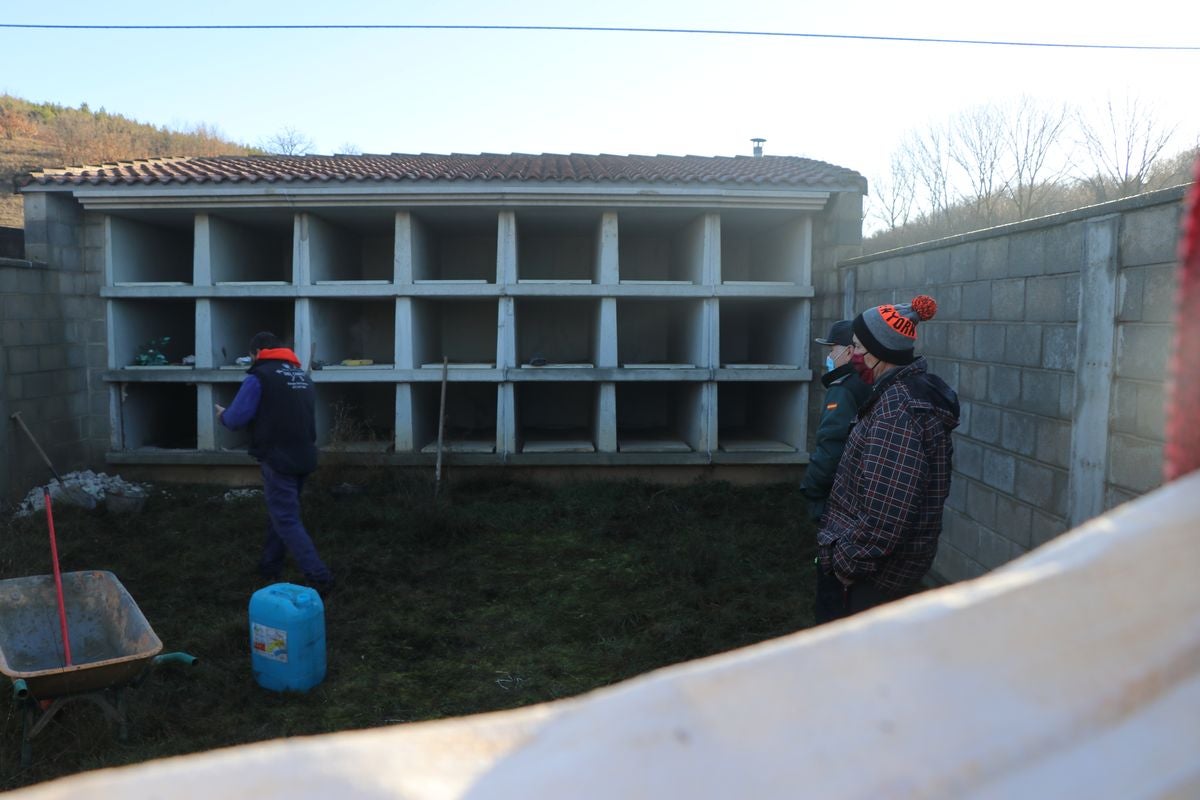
<point x="845" y="102"/>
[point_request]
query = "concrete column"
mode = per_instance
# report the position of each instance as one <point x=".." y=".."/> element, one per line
<point x="606" y="333"/>
<point x="204" y="334"/>
<point x="606" y="266"/>
<point x="1093" y="370"/>
<point x="302" y="250"/>
<point x="506" y="335"/>
<point x="206" y="417"/>
<point x="406" y="334"/>
<point x="402" y="258"/>
<point x="302" y="331"/>
<point x="506" y="248"/>
<point x="711" y="270"/>
<point x="201" y="252"/>
<point x="116" y="424"/>
<point x="109" y="257"/>
<point x="605" y="424"/>
<point x="405" y="440"/>
<point x="506" y="421"/>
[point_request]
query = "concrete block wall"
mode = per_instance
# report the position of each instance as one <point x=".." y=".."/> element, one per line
<point x="1056" y="334"/>
<point x="53" y="335"/>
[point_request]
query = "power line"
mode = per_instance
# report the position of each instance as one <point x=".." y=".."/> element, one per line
<point x="605" y="29"/>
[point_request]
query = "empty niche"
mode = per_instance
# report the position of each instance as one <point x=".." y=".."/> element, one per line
<point x="557" y="248"/>
<point x="763" y="334"/>
<point x="224" y="439"/>
<point x="660" y="333"/>
<point x="356" y="417"/>
<point x="470" y="417"/>
<point x="235" y="322"/>
<point x="348" y="332"/>
<point x="357" y="249"/>
<point x="761" y="248"/>
<point x="151" y="253"/>
<point x="558" y="332"/>
<point x="153" y="334"/>
<point x="461" y="331"/>
<point x="658" y="417"/>
<point x="158" y="416"/>
<point x="556" y="417"/>
<point x="660" y="248"/>
<point x="456" y="246"/>
<point x="759" y="417"/>
<point x="251" y="252"/>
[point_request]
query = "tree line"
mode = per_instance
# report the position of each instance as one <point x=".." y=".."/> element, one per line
<point x="998" y="163"/>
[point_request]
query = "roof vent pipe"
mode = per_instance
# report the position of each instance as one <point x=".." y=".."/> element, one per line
<point x="758" y="143"/>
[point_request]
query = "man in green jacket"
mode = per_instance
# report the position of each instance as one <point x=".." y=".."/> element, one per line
<point x="845" y="391"/>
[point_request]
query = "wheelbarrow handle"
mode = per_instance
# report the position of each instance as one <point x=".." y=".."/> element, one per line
<point x="186" y="659"/>
<point x="16" y="416"/>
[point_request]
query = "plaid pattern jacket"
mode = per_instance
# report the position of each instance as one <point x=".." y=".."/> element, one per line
<point x="884" y="513"/>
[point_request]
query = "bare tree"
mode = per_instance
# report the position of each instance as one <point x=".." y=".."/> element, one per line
<point x="976" y="147"/>
<point x="895" y="195"/>
<point x="1033" y="135"/>
<point x="349" y="149"/>
<point x="289" y="142"/>
<point x="1123" y="142"/>
<point x="927" y="154"/>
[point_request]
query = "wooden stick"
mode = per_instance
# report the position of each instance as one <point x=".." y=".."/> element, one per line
<point x="437" y="480"/>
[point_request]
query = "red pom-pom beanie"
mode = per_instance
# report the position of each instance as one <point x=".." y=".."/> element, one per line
<point x="890" y="332"/>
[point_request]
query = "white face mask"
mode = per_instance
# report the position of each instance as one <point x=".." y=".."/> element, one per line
<point x="829" y="365"/>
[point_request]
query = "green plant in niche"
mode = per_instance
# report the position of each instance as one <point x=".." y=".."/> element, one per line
<point x="153" y="353"/>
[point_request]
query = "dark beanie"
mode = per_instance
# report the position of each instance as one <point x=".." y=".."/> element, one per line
<point x="890" y="332"/>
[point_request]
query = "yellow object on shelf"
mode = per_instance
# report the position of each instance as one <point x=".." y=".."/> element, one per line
<point x="357" y="362"/>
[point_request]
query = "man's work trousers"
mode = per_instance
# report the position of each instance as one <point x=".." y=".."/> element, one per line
<point x="285" y="531"/>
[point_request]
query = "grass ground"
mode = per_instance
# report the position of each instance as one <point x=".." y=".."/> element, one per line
<point x="503" y="595"/>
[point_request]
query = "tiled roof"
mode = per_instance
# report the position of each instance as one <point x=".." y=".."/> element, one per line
<point x="767" y="171"/>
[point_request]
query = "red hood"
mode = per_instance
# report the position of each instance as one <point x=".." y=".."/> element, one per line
<point x="278" y="354"/>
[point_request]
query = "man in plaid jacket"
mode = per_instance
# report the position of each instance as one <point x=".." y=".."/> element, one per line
<point x="880" y="531"/>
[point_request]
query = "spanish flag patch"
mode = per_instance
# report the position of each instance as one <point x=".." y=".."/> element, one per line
<point x="830" y="406"/>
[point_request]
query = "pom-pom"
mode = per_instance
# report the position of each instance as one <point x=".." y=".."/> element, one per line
<point x="925" y="306"/>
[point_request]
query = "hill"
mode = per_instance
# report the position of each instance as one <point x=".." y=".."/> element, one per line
<point x="38" y="135"/>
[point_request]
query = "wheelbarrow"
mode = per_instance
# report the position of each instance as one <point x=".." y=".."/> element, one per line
<point x="112" y="648"/>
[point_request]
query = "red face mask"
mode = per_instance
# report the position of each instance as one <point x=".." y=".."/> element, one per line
<point x="859" y="361"/>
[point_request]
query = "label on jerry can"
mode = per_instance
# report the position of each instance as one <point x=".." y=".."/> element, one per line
<point x="269" y="642"/>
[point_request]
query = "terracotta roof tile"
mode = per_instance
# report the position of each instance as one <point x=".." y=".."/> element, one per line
<point x="767" y="171"/>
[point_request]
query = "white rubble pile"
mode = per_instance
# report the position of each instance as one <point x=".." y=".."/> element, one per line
<point x="96" y="485"/>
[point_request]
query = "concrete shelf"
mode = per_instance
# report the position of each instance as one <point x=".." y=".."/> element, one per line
<point x="153" y="415"/>
<point x="452" y="246"/>
<point x="470" y="417"/>
<point x="145" y="253"/>
<point x="352" y="329"/>
<point x="574" y="334"/>
<point x="557" y="417"/>
<point x="660" y="417"/>
<point x="249" y="251"/>
<point x="761" y="417"/>
<point x="662" y="332"/>
<point x="357" y="417"/>
<point x="463" y="331"/>
<point x="763" y="334"/>
<point x="346" y="250"/>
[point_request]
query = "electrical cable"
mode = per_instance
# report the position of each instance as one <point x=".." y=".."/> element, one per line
<point x="612" y="29"/>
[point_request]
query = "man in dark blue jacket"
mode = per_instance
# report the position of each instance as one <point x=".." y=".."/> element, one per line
<point x="845" y="391"/>
<point x="276" y="403"/>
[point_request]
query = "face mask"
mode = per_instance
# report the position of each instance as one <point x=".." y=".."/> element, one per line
<point x="829" y="365"/>
<point x="859" y="360"/>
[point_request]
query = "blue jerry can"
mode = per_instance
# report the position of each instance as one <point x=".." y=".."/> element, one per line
<point x="287" y="637"/>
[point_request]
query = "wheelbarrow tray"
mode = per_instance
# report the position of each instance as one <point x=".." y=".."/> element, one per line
<point x="111" y="642"/>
